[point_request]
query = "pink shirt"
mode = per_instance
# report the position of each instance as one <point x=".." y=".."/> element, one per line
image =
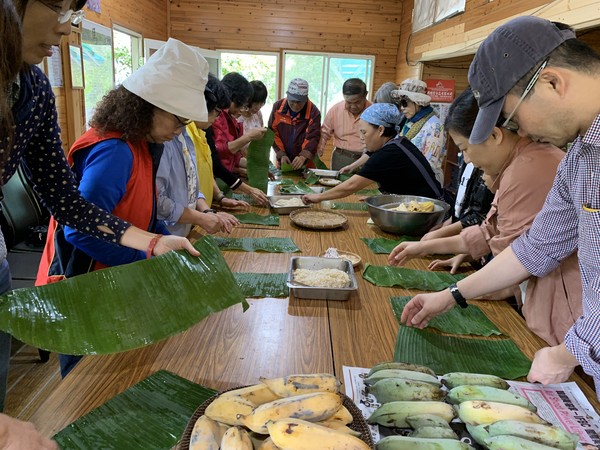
<point x="343" y="126"/>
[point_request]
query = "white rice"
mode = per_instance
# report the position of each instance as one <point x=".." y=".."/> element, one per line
<point x="294" y="201"/>
<point x="333" y="278"/>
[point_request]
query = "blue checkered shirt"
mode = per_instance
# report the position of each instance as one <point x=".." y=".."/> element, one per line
<point x="570" y="219"/>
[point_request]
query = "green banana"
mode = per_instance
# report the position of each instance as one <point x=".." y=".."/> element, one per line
<point x="434" y="433"/>
<point x="466" y="392"/>
<point x="402" y="366"/>
<point x="506" y="442"/>
<point x="453" y="379"/>
<point x="399" y="373"/>
<point x="397" y="389"/>
<point x="478" y="432"/>
<point x="426" y="420"/>
<point x="412" y="443"/>
<point x="394" y="414"/>
<point x="552" y="436"/>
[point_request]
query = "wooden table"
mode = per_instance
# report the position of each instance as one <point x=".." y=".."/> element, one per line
<point x="274" y="337"/>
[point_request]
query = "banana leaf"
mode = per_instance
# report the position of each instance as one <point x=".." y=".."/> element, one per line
<point x="443" y="354"/>
<point x="258" y="219"/>
<point x="299" y="188"/>
<point x="369" y="192"/>
<point x="269" y="245"/>
<point x="258" y="161"/>
<point x="122" y="307"/>
<point x="289" y="170"/>
<point x="422" y="280"/>
<point x="151" y="415"/>
<point x="261" y="285"/>
<point x="385" y="245"/>
<point x="312" y="178"/>
<point x="285" y="181"/>
<point x="319" y="164"/>
<point x="469" y="320"/>
<point x="349" y="206"/>
<point x="243" y="197"/>
<point x="344" y="176"/>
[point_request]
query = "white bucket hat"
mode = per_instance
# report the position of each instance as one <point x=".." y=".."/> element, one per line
<point x="173" y="79"/>
<point x="413" y="89"/>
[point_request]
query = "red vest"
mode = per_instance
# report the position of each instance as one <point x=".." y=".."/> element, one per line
<point x="136" y="207"/>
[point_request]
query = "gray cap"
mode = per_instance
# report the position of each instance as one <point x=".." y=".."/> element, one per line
<point x="506" y="55"/>
<point x="298" y="90"/>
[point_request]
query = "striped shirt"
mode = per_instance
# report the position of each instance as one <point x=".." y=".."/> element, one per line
<point x="569" y="219"/>
<point x="343" y="126"/>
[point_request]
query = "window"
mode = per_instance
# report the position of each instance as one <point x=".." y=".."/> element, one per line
<point x="255" y="66"/>
<point x="98" y="70"/>
<point x="326" y="73"/>
<point x="127" y="53"/>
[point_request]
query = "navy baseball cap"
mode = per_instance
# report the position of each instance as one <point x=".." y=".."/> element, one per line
<point x="505" y="56"/>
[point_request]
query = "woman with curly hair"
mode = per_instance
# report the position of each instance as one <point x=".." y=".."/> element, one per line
<point x="116" y="160"/>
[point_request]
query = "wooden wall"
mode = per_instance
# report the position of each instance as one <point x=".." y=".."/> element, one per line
<point x="357" y="26"/>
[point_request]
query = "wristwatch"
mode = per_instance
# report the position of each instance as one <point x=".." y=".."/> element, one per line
<point x="458" y="297"/>
<point x="210" y="210"/>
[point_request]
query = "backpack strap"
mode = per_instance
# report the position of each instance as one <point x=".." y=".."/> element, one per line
<point x="419" y="166"/>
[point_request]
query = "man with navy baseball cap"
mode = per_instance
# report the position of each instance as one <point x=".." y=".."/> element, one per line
<point x="533" y="75"/>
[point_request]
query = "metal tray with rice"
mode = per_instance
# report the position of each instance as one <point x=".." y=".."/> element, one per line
<point x="325" y="173"/>
<point x="284" y="204"/>
<point x="381" y="210"/>
<point x="317" y="292"/>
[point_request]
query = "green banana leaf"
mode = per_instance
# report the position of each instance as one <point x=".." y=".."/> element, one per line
<point x="258" y="161"/>
<point x="285" y="181"/>
<point x="243" y="197"/>
<point x="122" y="307"/>
<point x="422" y="280"/>
<point x="443" y="354"/>
<point x="258" y="219"/>
<point x="369" y="192"/>
<point x="344" y="176"/>
<point x="289" y="170"/>
<point x="319" y="164"/>
<point x="349" y="206"/>
<point x="261" y="285"/>
<point x="299" y="188"/>
<point x="312" y="178"/>
<point x="270" y="245"/>
<point x="469" y="320"/>
<point x="150" y="415"/>
<point x="385" y="245"/>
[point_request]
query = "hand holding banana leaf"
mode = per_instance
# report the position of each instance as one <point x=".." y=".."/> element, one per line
<point x="423" y="307"/>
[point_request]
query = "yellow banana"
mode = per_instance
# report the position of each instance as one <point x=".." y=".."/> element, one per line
<point x="434" y="433"/>
<point x="399" y="373"/>
<point x="206" y="435"/>
<point x="394" y="414"/>
<point x="268" y="444"/>
<point x="339" y="426"/>
<point x="342" y="415"/>
<point x="426" y="420"/>
<point x="236" y="438"/>
<point x="257" y="394"/>
<point x="507" y="442"/>
<point x="398" y="389"/>
<point x="412" y="443"/>
<point x="453" y="379"/>
<point x="402" y="366"/>
<point x="302" y="384"/>
<point x="297" y="434"/>
<point x="552" y="436"/>
<point x="475" y="412"/>
<point x="225" y="409"/>
<point x="312" y="407"/>
<point x="466" y="392"/>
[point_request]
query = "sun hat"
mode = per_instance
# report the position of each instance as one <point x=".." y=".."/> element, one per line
<point x="173" y="79"/>
<point x="505" y="56"/>
<point x="297" y="90"/>
<point x="384" y="114"/>
<point x="413" y="89"/>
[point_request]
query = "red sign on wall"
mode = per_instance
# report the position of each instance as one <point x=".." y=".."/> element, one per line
<point x="440" y="90"/>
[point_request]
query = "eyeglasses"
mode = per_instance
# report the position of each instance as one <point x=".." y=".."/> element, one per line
<point x="182" y="123"/>
<point x="75" y="17"/>
<point x="403" y="102"/>
<point x="527" y="90"/>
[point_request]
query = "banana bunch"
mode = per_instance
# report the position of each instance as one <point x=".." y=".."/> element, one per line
<point x="301" y="384"/>
<point x="548" y="435"/>
<point x="395" y="414"/>
<point x="467" y="392"/>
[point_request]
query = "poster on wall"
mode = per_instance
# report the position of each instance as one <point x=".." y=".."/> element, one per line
<point x="440" y="90"/>
<point x="54" y="68"/>
<point x="449" y="8"/>
<point x="423" y="14"/>
<point x="93" y="5"/>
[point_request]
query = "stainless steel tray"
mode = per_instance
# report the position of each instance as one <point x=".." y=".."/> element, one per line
<point x="315" y="189"/>
<point x="325" y="173"/>
<point x="321" y="293"/>
<point x="284" y="209"/>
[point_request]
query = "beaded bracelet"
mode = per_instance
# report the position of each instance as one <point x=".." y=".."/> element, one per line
<point x="152" y="244"/>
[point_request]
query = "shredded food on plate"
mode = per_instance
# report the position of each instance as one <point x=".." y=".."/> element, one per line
<point x="332" y="278"/>
<point x="294" y="201"/>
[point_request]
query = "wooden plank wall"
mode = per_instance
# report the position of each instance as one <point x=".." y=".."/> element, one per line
<point x="357" y="27"/>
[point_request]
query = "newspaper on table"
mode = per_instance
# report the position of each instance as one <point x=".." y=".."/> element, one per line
<point x="562" y="404"/>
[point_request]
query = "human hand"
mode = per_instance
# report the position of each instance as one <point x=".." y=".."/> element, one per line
<point x="271" y="176"/>
<point x="345" y="169"/>
<point x="307" y="199"/>
<point x="285" y="160"/>
<point x="552" y="365"/>
<point x="257" y="195"/>
<point x="211" y="223"/>
<point x="18" y="435"/>
<point x="228" y="221"/>
<point x="298" y="162"/>
<point x="424" y="307"/>
<point x="454" y="263"/>
<point x="320" y="151"/>
<point x="404" y="252"/>
<point x="256" y="133"/>
<point x="242" y="171"/>
<point x="171" y="242"/>
<point x="232" y="203"/>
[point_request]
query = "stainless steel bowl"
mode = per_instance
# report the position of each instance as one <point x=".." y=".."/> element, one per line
<point x="400" y="222"/>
